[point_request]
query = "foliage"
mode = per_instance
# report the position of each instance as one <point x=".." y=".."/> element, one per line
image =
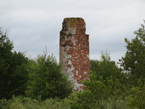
<point x="97" y="90"/>
<point x="107" y="68"/>
<point x="137" y="99"/>
<point x="99" y="87"/>
<point x="134" y="60"/>
<point x="12" y="80"/>
<point x="5" y="52"/>
<point x="46" y="80"/>
<point x="17" y="75"/>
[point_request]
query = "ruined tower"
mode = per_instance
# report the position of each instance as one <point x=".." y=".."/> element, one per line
<point x="74" y="51"/>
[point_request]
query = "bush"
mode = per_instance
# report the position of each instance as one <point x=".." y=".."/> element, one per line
<point x="46" y="80"/>
<point x="137" y="98"/>
<point x="95" y="91"/>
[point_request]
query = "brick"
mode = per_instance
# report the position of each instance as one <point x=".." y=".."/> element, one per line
<point x="74" y="51"/>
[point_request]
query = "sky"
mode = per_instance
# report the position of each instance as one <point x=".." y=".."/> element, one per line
<point x="33" y="25"/>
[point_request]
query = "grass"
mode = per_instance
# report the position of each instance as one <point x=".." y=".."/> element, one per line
<point x="28" y="103"/>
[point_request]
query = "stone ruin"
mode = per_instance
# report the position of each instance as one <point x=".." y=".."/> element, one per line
<point x="74" y="51"/>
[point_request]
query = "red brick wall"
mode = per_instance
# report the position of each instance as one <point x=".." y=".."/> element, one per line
<point x="74" y="51"/>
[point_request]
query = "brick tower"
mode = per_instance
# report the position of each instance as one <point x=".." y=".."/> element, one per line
<point x="74" y="51"/>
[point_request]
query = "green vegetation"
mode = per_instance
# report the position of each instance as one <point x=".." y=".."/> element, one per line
<point x="42" y="86"/>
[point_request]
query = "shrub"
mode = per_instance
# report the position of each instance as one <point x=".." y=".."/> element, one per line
<point x="46" y="80"/>
<point x="95" y="91"/>
<point x="137" y="98"/>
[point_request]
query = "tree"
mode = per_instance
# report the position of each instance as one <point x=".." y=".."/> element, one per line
<point x="17" y="75"/>
<point x="5" y="52"/>
<point x="5" y="60"/>
<point x="134" y="60"/>
<point x="13" y="77"/>
<point x="105" y="68"/>
<point x="47" y="81"/>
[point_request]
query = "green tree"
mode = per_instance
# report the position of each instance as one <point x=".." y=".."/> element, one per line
<point x="134" y="60"/>
<point x="12" y="79"/>
<point x="5" y="52"/>
<point x="17" y="75"/>
<point x="106" y="68"/>
<point x="5" y="61"/>
<point x="47" y="81"/>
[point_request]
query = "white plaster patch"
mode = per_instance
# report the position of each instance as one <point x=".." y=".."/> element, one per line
<point x="72" y="30"/>
<point x="88" y="56"/>
<point x="71" y="77"/>
<point x="69" y="62"/>
<point x="76" y="72"/>
<point x="67" y="48"/>
<point x="77" y="86"/>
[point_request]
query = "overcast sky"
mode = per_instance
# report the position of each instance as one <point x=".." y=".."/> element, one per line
<point x="33" y="25"/>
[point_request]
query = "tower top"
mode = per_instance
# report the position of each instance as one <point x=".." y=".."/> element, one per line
<point x="74" y="25"/>
<point x="73" y="21"/>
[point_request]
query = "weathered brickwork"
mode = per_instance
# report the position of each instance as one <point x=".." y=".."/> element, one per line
<point x="74" y="51"/>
